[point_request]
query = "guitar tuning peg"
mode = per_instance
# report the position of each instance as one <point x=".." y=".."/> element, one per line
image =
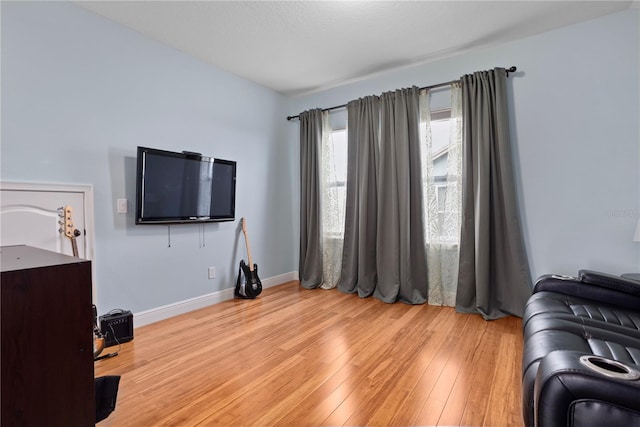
<point x="60" y="230"/>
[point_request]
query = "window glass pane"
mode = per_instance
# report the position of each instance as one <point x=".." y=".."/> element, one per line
<point x="339" y="138"/>
<point x="439" y="186"/>
<point x="335" y="190"/>
<point x="441" y="195"/>
<point x="439" y="135"/>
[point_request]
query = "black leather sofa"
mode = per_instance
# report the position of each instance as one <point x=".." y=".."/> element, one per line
<point x="581" y="357"/>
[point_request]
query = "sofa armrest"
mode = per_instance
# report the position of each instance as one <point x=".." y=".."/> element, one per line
<point x="570" y="393"/>
<point x="609" y="281"/>
<point x="600" y="287"/>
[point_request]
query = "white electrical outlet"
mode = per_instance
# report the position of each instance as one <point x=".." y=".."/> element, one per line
<point x="122" y="206"/>
<point x="212" y="272"/>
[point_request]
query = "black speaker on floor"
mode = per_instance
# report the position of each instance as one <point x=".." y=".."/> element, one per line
<point x="117" y="327"/>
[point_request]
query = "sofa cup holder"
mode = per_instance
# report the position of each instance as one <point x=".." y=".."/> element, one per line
<point x="609" y="368"/>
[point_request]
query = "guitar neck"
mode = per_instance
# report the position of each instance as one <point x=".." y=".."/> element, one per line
<point x="69" y="229"/>
<point x="246" y="241"/>
<point x="74" y="247"/>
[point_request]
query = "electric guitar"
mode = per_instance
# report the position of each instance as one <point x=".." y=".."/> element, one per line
<point x="250" y="287"/>
<point x="71" y="232"/>
<point x="68" y="229"/>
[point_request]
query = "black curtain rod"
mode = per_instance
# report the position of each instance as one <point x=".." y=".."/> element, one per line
<point x="511" y="69"/>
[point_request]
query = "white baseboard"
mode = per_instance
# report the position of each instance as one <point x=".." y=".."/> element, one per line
<point x="160" y="313"/>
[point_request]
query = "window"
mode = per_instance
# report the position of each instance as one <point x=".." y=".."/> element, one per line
<point x="334" y="191"/>
<point x="442" y="178"/>
<point x="441" y="172"/>
<point x="440" y="137"/>
<point x="334" y="153"/>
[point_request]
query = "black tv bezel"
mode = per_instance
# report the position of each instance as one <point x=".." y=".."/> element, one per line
<point x="141" y="151"/>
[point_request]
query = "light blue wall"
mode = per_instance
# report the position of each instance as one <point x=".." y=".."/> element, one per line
<point x="80" y="93"/>
<point x="574" y="124"/>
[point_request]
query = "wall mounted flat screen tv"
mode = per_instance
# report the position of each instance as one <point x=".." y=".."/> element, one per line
<point x="183" y="187"/>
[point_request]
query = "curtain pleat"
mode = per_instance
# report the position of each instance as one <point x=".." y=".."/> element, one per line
<point x="494" y="278"/>
<point x="359" y="274"/>
<point x="310" y="264"/>
<point x="401" y="257"/>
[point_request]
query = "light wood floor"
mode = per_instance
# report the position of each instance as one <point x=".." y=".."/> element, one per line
<point x="312" y="358"/>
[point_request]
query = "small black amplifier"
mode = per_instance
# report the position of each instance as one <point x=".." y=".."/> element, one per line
<point x="117" y="327"/>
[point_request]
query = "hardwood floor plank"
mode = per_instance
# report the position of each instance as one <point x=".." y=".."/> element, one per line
<point x="432" y="360"/>
<point x="296" y="357"/>
<point x="504" y="401"/>
<point x="440" y="394"/>
<point x="401" y="377"/>
<point x="477" y="363"/>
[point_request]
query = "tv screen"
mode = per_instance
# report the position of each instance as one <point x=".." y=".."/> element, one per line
<point x="183" y="187"/>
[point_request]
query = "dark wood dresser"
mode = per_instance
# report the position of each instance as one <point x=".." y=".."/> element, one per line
<point x="46" y="348"/>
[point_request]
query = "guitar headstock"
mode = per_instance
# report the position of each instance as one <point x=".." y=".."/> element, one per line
<point x="244" y="224"/>
<point x="67" y="222"/>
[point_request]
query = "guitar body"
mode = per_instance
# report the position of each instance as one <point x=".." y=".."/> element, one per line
<point x="248" y="285"/>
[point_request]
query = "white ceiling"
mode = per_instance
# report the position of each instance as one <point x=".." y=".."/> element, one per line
<point x="297" y="47"/>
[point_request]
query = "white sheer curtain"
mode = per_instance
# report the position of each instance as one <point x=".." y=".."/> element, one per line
<point x="442" y="201"/>
<point x="332" y="187"/>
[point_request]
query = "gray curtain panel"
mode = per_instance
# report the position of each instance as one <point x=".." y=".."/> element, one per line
<point x="384" y="250"/>
<point x="494" y="278"/>
<point x="401" y="252"/>
<point x="359" y="273"/>
<point x="310" y="267"/>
